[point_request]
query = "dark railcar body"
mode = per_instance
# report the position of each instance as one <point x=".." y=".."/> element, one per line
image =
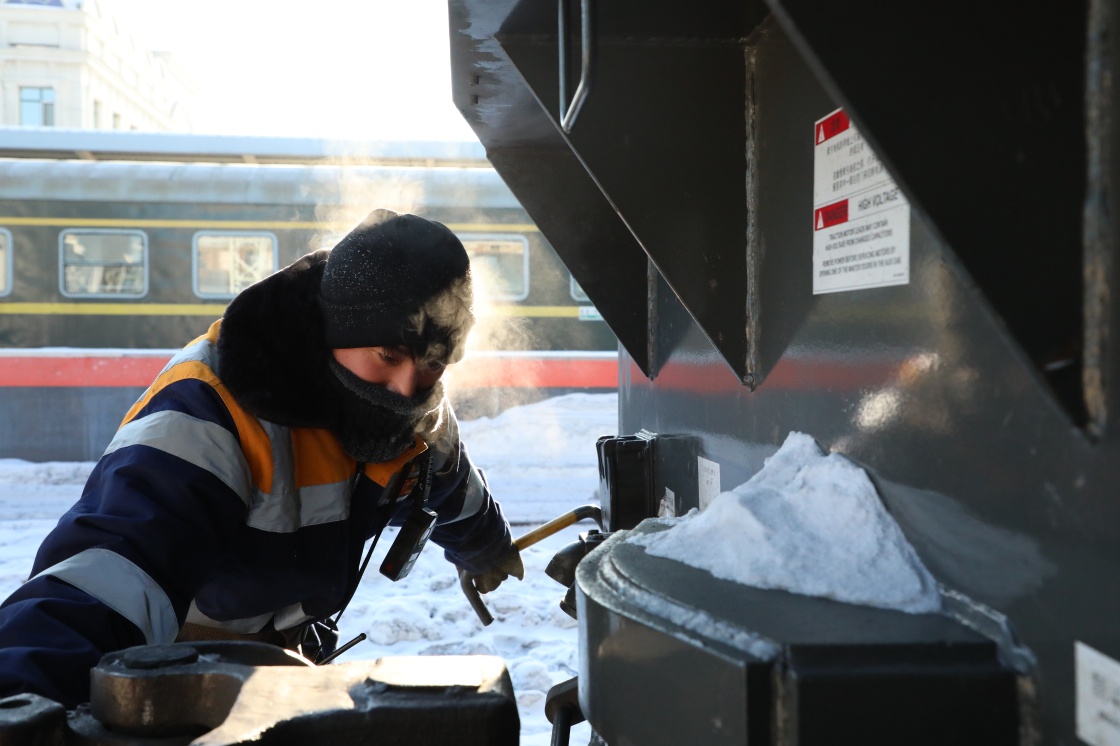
<point x="979" y="393"/>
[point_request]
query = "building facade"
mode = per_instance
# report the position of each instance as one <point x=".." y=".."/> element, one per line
<point x="67" y="63"/>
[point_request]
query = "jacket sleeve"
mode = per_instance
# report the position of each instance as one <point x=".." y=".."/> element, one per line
<point x="159" y="512"/>
<point x="471" y="526"/>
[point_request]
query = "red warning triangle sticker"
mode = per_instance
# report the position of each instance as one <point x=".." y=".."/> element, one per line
<point x="831" y="126"/>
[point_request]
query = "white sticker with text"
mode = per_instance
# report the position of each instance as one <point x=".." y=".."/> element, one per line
<point x="708" y="478"/>
<point x="861" y="221"/>
<point x="1098" y="696"/>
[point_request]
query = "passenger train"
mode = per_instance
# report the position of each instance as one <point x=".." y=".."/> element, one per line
<point x="121" y="247"/>
<point x="145" y="254"/>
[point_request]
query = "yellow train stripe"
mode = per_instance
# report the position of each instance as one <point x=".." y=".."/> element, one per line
<point x="216" y="309"/>
<point x="555" y="312"/>
<point x="274" y="225"/>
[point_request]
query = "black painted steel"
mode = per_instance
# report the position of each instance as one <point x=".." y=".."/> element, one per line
<point x="979" y="397"/>
<point x="721" y="663"/>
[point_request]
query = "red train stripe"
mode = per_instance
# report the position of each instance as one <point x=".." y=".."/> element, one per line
<point x="80" y="370"/>
<point x="487" y="370"/>
<point x="555" y="370"/>
<point x="528" y="372"/>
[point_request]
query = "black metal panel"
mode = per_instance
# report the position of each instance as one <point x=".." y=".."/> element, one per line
<point x="883" y="695"/>
<point x="626" y="480"/>
<point x="1006" y="502"/>
<point x="540" y="169"/>
<point x="713" y="662"/>
<point x="977" y="109"/>
<point x="943" y="389"/>
<point x="783" y="208"/>
<point x="967" y="447"/>
<point x="663" y="133"/>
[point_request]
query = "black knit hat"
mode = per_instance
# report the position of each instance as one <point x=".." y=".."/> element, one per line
<point x="398" y="280"/>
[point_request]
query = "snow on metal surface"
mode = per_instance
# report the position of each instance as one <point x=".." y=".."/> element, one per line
<point x="806" y="523"/>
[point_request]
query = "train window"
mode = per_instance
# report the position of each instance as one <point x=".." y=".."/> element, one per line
<point x="227" y="263"/>
<point x="577" y="291"/>
<point x="500" y="264"/>
<point x="103" y="263"/>
<point x="5" y="261"/>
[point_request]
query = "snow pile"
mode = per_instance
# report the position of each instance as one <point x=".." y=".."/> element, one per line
<point x="807" y="523"/>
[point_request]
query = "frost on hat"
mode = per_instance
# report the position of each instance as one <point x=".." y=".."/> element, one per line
<point x="398" y="280"/>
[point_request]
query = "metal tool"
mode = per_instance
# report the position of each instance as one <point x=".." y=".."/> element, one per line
<point x="524" y="542"/>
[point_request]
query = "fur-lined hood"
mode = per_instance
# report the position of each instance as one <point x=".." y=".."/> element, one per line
<point x="271" y="349"/>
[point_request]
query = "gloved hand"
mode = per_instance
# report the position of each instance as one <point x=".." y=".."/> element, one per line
<point x="507" y="563"/>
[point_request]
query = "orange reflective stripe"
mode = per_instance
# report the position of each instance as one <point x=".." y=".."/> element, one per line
<point x="254" y="441"/>
<point x="319" y="458"/>
<point x="382" y="473"/>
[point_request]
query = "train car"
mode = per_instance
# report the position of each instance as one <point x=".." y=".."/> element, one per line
<point x="144" y="254"/>
<point x="110" y="260"/>
<point x="888" y="228"/>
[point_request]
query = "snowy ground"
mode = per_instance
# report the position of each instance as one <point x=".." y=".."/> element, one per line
<point x="540" y="461"/>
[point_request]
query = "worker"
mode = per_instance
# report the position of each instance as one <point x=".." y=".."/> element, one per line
<point x="239" y="493"/>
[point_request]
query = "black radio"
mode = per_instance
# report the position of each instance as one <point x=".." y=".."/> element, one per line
<point x="414" y="534"/>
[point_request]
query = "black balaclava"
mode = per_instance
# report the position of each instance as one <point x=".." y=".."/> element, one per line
<point x="394" y="280"/>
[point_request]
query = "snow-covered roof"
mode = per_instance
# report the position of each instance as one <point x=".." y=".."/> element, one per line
<point x="107" y="145"/>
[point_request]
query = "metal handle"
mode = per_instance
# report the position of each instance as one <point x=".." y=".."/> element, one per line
<point x="524" y="542"/>
<point x="568" y="113"/>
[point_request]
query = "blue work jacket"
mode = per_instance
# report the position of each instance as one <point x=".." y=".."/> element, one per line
<point x="200" y="512"/>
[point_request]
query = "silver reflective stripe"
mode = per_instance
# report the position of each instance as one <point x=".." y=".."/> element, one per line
<point x="292" y="616"/>
<point x="201" y="351"/>
<point x="124" y="588"/>
<point x="472" y="501"/>
<point x="324" y="503"/>
<point x="285" y="618"/>
<point x="205" y="444"/>
<point x="286" y="509"/>
<point x="283" y="461"/>
<point x="310" y="506"/>
<point x="240" y="626"/>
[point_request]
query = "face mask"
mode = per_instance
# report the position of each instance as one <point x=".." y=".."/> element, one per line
<point x="376" y="424"/>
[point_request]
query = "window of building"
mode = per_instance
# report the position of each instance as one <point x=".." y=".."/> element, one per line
<point x="500" y="265"/>
<point x="227" y="263"/>
<point x="5" y="262"/>
<point x="577" y="291"/>
<point x="36" y="107"/>
<point x="104" y="263"/>
<point x="116" y="121"/>
<point x="97" y="114"/>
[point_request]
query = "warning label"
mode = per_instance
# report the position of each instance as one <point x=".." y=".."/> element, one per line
<point x="1098" y="696"/>
<point x="861" y="221"/>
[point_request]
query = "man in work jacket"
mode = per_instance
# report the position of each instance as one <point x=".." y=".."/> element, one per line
<point x="237" y="496"/>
